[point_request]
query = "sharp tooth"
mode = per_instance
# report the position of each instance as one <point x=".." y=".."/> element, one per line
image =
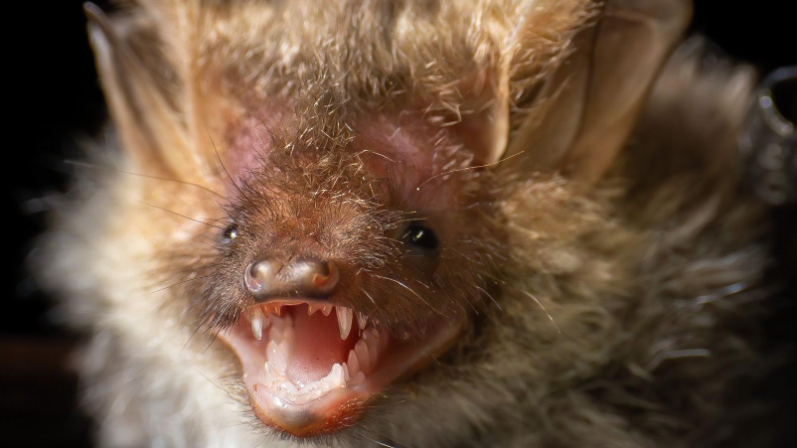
<point x="257" y="324"/>
<point x="346" y="373"/>
<point x="312" y="309"/>
<point x="336" y="377"/>
<point x="362" y="319"/>
<point x="327" y="309"/>
<point x="277" y="309"/>
<point x="361" y="349"/>
<point x="353" y="363"/>
<point x="345" y="316"/>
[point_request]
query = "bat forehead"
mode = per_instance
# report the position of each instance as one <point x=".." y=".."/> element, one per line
<point x="398" y="158"/>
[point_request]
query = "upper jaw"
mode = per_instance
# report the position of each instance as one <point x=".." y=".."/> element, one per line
<point x="259" y="315"/>
<point x="313" y="374"/>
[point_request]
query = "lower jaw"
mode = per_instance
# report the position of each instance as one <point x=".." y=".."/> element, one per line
<point x="340" y="407"/>
<point x="336" y="412"/>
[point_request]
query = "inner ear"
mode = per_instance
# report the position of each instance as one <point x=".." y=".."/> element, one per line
<point x="591" y="102"/>
<point x="170" y="127"/>
<point x="577" y="116"/>
<point x="148" y="126"/>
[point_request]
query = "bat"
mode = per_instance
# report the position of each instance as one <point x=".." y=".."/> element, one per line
<point x="419" y="223"/>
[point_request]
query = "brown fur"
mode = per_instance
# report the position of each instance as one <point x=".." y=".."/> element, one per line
<point x="616" y="315"/>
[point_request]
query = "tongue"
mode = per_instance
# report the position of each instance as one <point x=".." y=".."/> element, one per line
<point x="316" y="346"/>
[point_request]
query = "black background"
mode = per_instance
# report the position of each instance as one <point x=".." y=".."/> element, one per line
<point x="52" y="100"/>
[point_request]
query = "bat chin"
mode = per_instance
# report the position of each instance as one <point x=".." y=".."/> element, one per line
<point x="310" y="369"/>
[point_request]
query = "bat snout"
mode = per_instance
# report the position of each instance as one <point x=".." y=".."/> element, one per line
<point x="271" y="279"/>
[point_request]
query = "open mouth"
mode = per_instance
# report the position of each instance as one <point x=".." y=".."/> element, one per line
<point x="311" y="367"/>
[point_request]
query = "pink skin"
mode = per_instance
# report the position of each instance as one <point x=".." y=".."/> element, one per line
<point x="395" y="148"/>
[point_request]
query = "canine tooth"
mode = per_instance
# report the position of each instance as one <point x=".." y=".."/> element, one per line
<point x="361" y="349"/>
<point x="327" y="309"/>
<point x="353" y="363"/>
<point x="344" y="321"/>
<point x="346" y="373"/>
<point x="330" y="375"/>
<point x="341" y="376"/>
<point x="257" y="324"/>
<point x="336" y="377"/>
<point x="362" y="319"/>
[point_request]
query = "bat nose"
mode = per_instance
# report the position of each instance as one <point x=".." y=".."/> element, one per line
<point x="271" y="279"/>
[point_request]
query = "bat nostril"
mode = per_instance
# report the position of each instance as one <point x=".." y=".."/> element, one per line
<point x="261" y="277"/>
<point x="270" y="279"/>
<point x="326" y="277"/>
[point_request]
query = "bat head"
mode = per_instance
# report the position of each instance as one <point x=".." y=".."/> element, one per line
<point x="367" y="186"/>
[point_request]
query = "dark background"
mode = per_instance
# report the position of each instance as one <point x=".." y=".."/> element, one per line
<point x="55" y="104"/>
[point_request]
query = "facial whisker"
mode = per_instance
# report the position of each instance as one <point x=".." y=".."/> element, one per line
<point x="176" y="284"/>
<point x="368" y="295"/>
<point x="198" y="221"/>
<point x="219" y="386"/>
<point x="410" y="290"/>
<point x="375" y="441"/>
<point x="146" y="176"/>
<point x="543" y="309"/>
<point x="490" y="296"/>
<point x="218" y="156"/>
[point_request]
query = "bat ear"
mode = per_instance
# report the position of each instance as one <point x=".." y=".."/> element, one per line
<point x="154" y="115"/>
<point x="484" y="126"/>
<point x="587" y="106"/>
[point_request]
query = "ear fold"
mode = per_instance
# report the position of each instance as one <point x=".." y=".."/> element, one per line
<point x="157" y="126"/>
<point x="589" y="103"/>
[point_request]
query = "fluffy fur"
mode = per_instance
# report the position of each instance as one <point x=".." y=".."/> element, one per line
<point x="623" y="315"/>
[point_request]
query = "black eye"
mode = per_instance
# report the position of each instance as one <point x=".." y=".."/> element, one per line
<point x="230" y="234"/>
<point x="421" y="237"/>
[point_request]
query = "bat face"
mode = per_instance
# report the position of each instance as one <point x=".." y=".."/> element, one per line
<point x="341" y="264"/>
<point x="402" y="221"/>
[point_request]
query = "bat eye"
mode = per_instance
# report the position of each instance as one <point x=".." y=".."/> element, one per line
<point x="421" y="237"/>
<point x="230" y="234"/>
